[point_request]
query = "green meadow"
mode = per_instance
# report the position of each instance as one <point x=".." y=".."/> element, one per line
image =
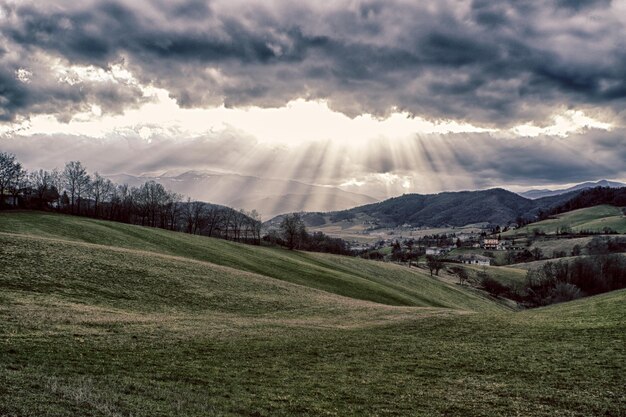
<point x="108" y="319"/>
<point x="594" y="219"/>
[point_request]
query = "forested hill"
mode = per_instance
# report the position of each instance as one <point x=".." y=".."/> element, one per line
<point x="453" y="208"/>
<point x="593" y="197"/>
<point x="497" y="206"/>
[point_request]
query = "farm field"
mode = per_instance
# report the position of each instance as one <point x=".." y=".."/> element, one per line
<point x="592" y="218"/>
<point x="538" y="264"/>
<point x="549" y="246"/>
<point x="357" y="230"/>
<point x="505" y="274"/>
<point x="107" y="319"/>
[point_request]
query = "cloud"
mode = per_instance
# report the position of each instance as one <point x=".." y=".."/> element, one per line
<point x="502" y="63"/>
<point x="385" y="96"/>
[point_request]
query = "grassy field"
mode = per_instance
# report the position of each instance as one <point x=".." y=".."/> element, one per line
<point x="540" y="263"/>
<point x="504" y="274"/>
<point x="592" y="218"/>
<point x="105" y="319"/>
<point x="350" y="277"/>
<point x="549" y="246"/>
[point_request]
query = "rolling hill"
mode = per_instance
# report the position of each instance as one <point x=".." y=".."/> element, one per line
<point x="594" y="219"/>
<point x="494" y="206"/>
<point x="108" y="319"/>
<point x="350" y="277"/>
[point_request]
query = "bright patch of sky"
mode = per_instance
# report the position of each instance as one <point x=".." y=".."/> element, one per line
<point x="298" y="121"/>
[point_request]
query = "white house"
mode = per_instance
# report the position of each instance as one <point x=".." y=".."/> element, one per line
<point x="437" y="251"/>
<point x="474" y="260"/>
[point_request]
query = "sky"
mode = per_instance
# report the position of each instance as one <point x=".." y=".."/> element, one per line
<point x="377" y="97"/>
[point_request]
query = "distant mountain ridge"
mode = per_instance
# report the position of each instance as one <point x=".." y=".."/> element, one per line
<point x="269" y="197"/>
<point x="534" y="194"/>
<point x="448" y="208"/>
<point x="494" y="206"/>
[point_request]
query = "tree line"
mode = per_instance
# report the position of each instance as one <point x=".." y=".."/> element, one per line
<point x="74" y="191"/>
<point x="292" y="234"/>
<point x="560" y="281"/>
<point x="593" y="197"/>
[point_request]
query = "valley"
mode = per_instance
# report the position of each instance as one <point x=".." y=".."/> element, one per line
<point x="102" y="318"/>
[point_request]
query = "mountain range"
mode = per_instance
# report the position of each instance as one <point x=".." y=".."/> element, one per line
<point x="534" y="194"/>
<point x="273" y="197"/>
<point x="494" y="206"/>
<point x="269" y="197"/>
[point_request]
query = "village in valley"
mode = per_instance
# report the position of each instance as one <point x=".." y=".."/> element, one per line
<point x="514" y="246"/>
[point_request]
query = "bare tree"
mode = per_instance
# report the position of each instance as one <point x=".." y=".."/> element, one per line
<point x="292" y="229"/>
<point x="42" y="184"/>
<point x="56" y="179"/>
<point x="193" y="214"/>
<point x="76" y="182"/>
<point x="461" y="273"/>
<point x="18" y="183"/>
<point x="434" y="263"/>
<point x="213" y="220"/>
<point x="255" y="225"/>
<point x="100" y="188"/>
<point x="10" y="174"/>
<point x="170" y="210"/>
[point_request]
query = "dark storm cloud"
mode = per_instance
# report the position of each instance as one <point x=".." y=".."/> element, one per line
<point x="583" y="4"/>
<point x="532" y="161"/>
<point x="486" y="61"/>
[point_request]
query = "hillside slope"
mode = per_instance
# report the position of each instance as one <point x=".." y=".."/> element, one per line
<point x="495" y="206"/>
<point x="104" y="319"/>
<point x="593" y="219"/>
<point x="350" y="277"/>
<point x="449" y="208"/>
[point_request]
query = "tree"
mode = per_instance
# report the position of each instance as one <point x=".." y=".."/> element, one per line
<point x="192" y="213"/>
<point x="100" y="188"/>
<point x="10" y="174"/>
<point x="564" y="291"/>
<point x="396" y="252"/>
<point x="598" y="246"/>
<point x="292" y="228"/>
<point x="123" y="203"/>
<point x="493" y="286"/>
<point x="76" y="182"/>
<point x="255" y="225"/>
<point x="212" y="220"/>
<point x="170" y="210"/>
<point x="410" y="253"/>
<point x="461" y="273"/>
<point x="151" y="198"/>
<point x="434" y="263"/>
<point x="42" y="184"/>
<point x="56" y="178"/>
<point x="510" y="257"/>
<point x="18" y="183"/>
<point x="537" y="253"/>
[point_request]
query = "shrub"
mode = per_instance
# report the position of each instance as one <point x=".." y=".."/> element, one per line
<point x="493" y="286"/>
<point x="564" y="291"/>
